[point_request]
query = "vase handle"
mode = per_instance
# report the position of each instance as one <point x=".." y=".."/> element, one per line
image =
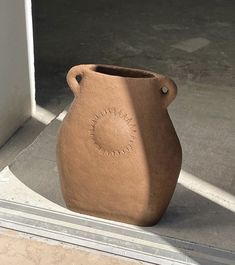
<point x="168" y="90"/>
<point x="71" y="78"/>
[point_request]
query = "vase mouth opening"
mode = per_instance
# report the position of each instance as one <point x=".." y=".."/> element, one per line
<point x="122" y="71"/>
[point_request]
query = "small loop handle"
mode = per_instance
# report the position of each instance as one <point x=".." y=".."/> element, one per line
<point x="168" y="90"/>
<point x="71" y="78"/>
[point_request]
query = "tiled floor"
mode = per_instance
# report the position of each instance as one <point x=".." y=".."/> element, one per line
<point x="24" y="249"/>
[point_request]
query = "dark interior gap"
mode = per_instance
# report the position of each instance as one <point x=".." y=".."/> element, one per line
<point x="123" y="72"/>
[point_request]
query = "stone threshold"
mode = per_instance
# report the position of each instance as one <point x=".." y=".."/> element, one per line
<point x="124" y="240"/>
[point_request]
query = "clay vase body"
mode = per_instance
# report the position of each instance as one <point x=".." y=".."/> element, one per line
<point x="118" y="154"/>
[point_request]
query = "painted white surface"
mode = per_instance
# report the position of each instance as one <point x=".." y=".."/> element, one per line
<point x="17" y="91"/>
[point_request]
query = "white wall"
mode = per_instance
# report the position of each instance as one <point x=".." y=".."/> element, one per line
<point x="17" y="91"/>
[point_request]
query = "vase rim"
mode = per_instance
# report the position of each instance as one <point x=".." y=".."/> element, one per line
<point x="119" y="71"/>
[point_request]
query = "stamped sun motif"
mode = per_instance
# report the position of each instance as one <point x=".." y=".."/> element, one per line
<point x="113" y="132"/>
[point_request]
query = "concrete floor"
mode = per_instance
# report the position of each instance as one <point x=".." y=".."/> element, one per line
<point x="136" y="34"/>
<point x="193" y="43"/>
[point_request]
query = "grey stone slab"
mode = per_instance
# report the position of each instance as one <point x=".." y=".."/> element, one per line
<point x="203" y="117"/>
<point x="36" y="165"/>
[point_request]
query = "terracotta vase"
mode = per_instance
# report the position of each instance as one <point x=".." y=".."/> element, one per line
<point x="118" y="153"/>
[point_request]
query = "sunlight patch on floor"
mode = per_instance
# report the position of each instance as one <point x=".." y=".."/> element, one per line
<point x="207" y="190"/>
<point x="43" y="115"/>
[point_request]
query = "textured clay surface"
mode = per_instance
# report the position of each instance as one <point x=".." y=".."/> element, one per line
<point x="118" y="154"/>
